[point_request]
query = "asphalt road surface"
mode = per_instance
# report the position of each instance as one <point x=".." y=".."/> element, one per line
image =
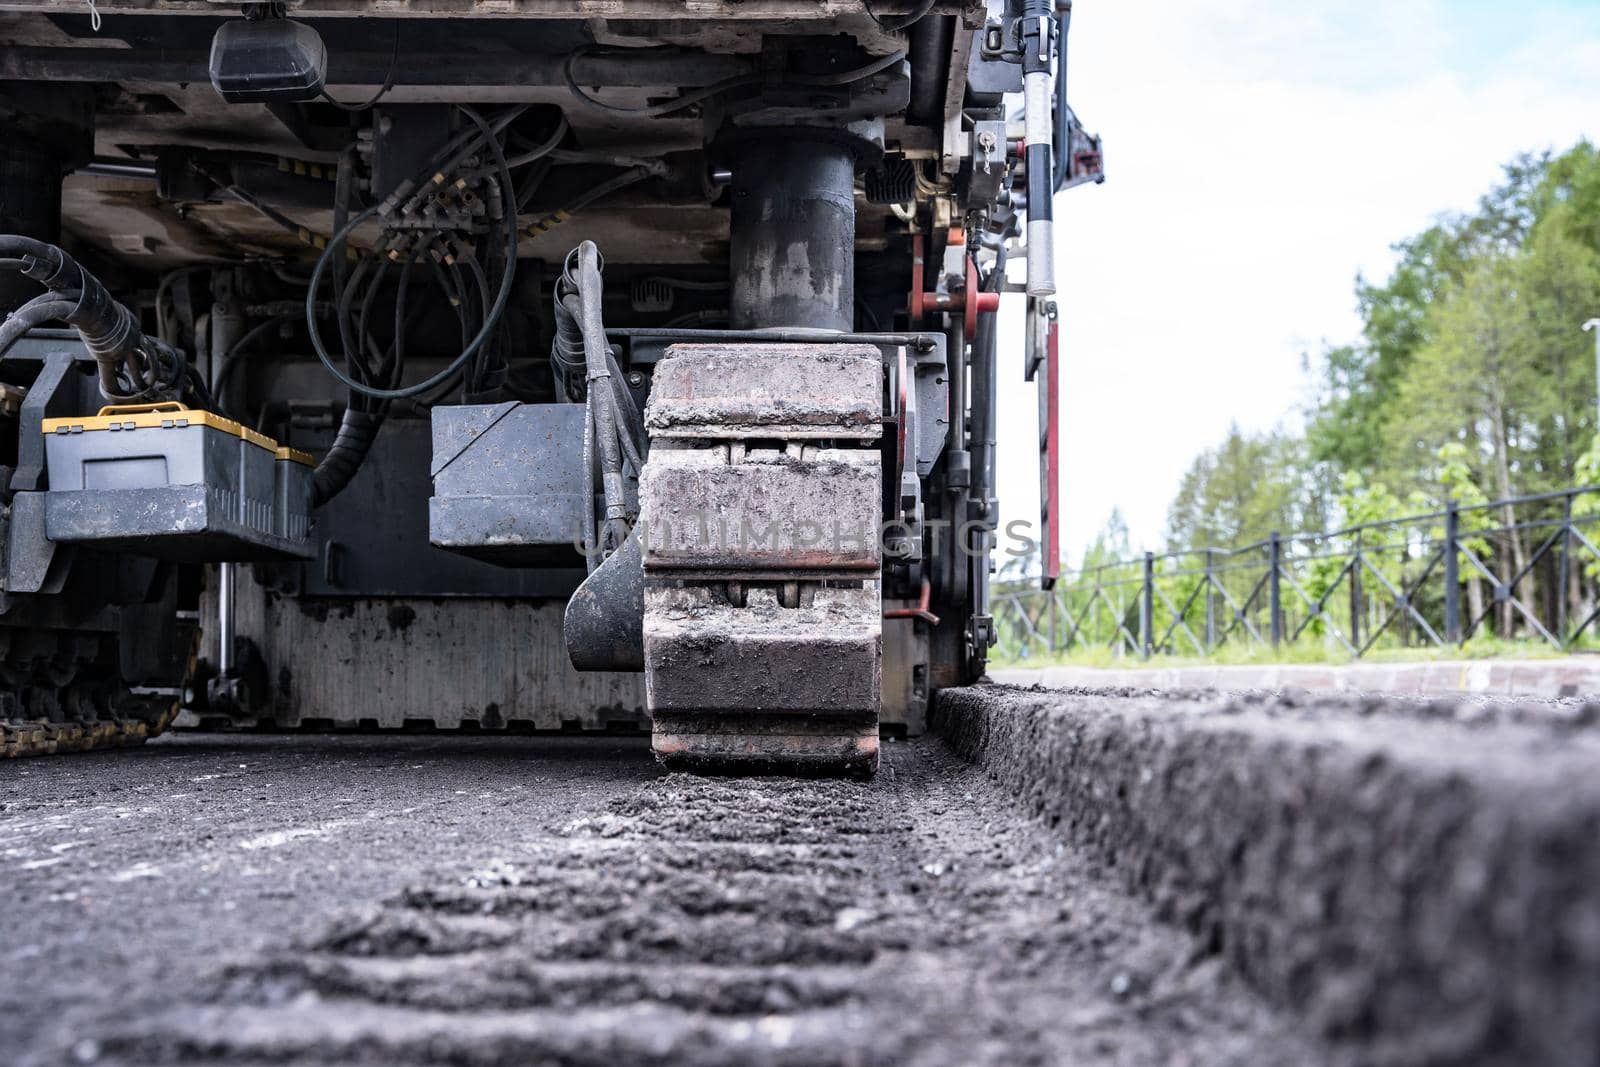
<point x="480" y="900"/>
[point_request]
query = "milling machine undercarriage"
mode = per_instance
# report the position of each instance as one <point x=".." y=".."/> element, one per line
<point x="542" y="370"/>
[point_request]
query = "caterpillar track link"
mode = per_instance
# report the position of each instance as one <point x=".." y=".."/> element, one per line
<point x="759" y="510"/>
<point x="60" y="691"/>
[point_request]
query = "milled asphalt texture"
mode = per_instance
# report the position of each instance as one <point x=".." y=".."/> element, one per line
<point x="1121" y="877"/>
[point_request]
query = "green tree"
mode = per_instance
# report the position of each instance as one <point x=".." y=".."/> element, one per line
<point x="1240" y="492"/>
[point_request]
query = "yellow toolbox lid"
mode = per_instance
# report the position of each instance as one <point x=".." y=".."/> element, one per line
<point x="294" y="455"/>
<point x="163" y="416"/>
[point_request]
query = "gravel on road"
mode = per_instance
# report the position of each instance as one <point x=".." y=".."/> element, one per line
<point x="510" y="900"/>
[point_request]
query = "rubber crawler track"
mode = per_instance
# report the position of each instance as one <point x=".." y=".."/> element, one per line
<point x="33" y="735"/>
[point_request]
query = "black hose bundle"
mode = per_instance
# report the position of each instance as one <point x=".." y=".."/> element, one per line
<point x="373" y="375"/>
<point x="566" y="349"/>
<point x="357" y="430"/>
<point x="613" y="425"/>
<point x="406" y="196"/>
<point x="133" y="366"/>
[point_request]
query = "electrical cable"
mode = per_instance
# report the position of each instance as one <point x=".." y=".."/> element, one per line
<point x="845" y="77"/>
<point x="631" y="419"/>
<point x="388" y="79"/>
<point x="1063" y="112"/>
<point x="32" y="315"/>
<point x="305" y="234"/>
<point x="491" y="318"/>
<point x="604" y="189"/>
<point x="691" y="285"/>
<point x="896" y="23"/>
<point x="737" y="81"/>
<point x="549" y="145"/>
<point x="677" y="103"/>
<point x="163" y="287"/>
<point x="236" y="353"/>
<point x="234" y="357"/>
<point x="703" y="317"/>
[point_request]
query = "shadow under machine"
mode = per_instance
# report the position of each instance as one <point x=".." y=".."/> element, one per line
<point x="517" y="371"/>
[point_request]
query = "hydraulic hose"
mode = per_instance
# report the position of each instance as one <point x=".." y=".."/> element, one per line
<point x="372" y="388"/>
<point x="357" y="431"/>
<point x="1063" y="112"/>
<point x="491" y="319"/>
<point x="566" y="349"/>
<point x="569" y="368"/>
<point x="108" y="329"/>
<point x="34" y="313"/>
<point x="597" y="362"/>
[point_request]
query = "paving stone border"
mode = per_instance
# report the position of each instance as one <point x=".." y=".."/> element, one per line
<point x="1567" y="677"/>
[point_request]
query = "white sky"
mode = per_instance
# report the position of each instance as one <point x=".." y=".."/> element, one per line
<point x="1258" y="155"/>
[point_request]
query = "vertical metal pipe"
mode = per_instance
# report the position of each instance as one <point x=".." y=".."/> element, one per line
<point x="1054" y="609"/>
<point x="1594" y="326"/>
<point x="792" y="236"/>
<point x="227" y="325"/>
<point x="1041" y="185"/>
<point x="225" y="627"/>
<point x="1211" y="600"/>
<point x="1274" y="586"/>
<point x="1062" y="131"/>
<point x="959" y="462"/>
<point x="958" y="470"/>
<point x="1452" y="574"/>
<point x="985" y="389"/>
<point x="1564" y="577"/>
<point x="1038" y="32"/>
<point x="1147" y="606"/>
<point x="1355" y="595"/>
<point x="930" y="41"/>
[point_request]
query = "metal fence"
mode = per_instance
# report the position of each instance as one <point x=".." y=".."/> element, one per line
<point x="1525" y="568"/>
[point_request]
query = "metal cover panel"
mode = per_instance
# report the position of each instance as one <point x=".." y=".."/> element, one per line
<point x="508" y="479"/>
<point x="393" y="557"/>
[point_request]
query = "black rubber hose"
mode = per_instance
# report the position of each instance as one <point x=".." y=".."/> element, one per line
<point x="107" y="328"/>
<point x="357" y="431"/>
<point x="1063" y="113"/>
<point x="630" y="420"/>
<point x="597" y="359"/>
<point x="567" y="364"/>
<point x="359" y="428"/>
<point x="490" y="320"/>
<point x="896" y="23"/>
<point x="566" y="349"/>
<point x="232" y="359"/>
<point x="34" y="313"/>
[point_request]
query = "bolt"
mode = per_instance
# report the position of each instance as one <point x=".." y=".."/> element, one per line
<point x="635" y="378"/>
<point x="986" y="140"/>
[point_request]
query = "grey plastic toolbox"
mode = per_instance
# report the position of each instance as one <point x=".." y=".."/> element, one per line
<point x="169" y="481"/>
<point x="292" y="495"/>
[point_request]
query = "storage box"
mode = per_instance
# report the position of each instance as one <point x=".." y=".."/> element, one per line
<point x="168" y="481"/>
<point x="508" y="483"/>
<point x="293" y="490"/>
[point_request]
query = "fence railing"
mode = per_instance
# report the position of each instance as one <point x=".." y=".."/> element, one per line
<point x="1525" y="568"/>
